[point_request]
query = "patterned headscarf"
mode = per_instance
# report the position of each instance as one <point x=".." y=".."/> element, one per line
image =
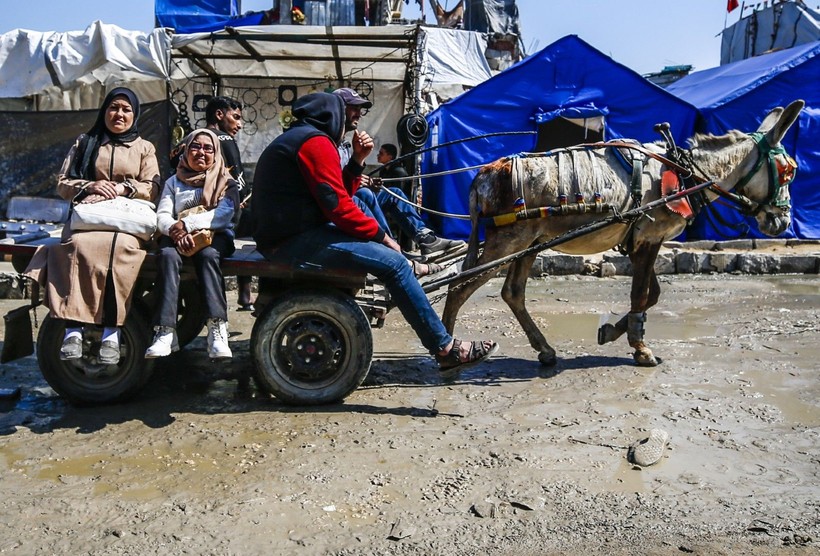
<point x="214" y="180"/>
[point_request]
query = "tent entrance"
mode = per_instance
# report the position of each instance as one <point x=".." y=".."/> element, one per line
<point x="561" y="132"/>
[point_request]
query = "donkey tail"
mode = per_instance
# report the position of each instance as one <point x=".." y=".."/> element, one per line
<point x="472" y="245"/>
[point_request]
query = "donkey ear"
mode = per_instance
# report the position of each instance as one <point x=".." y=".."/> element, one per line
<point x="787" y="118"/>
<point x="768" y="122"/>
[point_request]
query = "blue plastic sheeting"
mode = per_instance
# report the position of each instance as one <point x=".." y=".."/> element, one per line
<point x="739" y="96"/>
<point x="565" y="76"/>
<point x="201" y="16"/>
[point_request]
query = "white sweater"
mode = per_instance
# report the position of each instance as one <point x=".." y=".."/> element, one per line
<point x="177" y="196"/>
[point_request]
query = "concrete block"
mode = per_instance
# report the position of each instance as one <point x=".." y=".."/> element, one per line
<point x="623" y="266"/>
<point x="665" y="264"/>
<point x="734" y="245"/>
<point x="606" y="270"/>
<point x="561" y="265"/>
<point x="722" y="262"/>
<point x="692" y="263"/>
<point x="796" y="264"/>
<point x="701" y="245"/>
<point x="768" y="243"/>
<point x="537" y="268"/>
<point x="757" y="263"/>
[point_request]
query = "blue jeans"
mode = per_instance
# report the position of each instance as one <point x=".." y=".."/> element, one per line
<point x="404" y="214"/>
<point x="329" y="247"/>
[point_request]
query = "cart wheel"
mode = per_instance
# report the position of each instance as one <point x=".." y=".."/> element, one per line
<point x="312" y="347"/>
<point x="190" y="313"/>
<point x="85" y="381"/>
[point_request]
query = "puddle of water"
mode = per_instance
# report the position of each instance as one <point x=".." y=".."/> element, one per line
<point x="777" y="392"/>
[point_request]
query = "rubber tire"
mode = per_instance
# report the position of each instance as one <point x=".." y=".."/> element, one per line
<point x="336" y="322"/>
<point x="68" y="379"/>
<point x="191" y="314"/>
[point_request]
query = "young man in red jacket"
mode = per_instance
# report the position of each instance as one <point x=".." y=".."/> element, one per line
<point x="304" y="214"/>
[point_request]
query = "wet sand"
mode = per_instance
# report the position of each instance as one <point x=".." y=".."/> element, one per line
<point x="511" y="459"/>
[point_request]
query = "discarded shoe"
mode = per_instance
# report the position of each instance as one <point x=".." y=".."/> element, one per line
<point x="72" y="348"/>
<point x="165" y="343"/>
<point x="648" y="451"/>
<point x="109" y="353"/>
<point x="451" y="364"/>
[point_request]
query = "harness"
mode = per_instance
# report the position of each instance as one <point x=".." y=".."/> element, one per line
<point x="678" y="175"/>
<point x="624" y="149"/>
<point x="780" y="175"/>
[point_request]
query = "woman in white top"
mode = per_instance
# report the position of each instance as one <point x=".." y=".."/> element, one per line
<point x="200" y="196"/>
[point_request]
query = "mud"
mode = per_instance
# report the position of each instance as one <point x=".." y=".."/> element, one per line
<point x="512" y="458"/>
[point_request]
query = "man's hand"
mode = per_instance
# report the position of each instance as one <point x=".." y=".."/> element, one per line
<point x="362" y="146"/>
<point x="370" y="183"/>
<point x="391" y="243"/>
<point x="177" y="232"/>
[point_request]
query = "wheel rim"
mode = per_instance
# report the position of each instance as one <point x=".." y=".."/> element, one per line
<point x="310" y="349"/>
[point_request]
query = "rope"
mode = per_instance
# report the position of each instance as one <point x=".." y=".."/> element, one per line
<point x="431" y="211"/>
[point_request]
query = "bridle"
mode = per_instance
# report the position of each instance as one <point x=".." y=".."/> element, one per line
<point x="781" y="175"/>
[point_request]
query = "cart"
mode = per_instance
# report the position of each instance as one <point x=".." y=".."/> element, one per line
<point x="311" y="343"/>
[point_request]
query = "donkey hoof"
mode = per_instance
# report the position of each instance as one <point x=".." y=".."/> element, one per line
<point x="607" y="333"/>
<point x="645" y="359"/>
<point x="547" y="359"/>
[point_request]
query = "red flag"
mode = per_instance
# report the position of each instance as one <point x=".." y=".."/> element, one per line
<point x="731" y="5"/>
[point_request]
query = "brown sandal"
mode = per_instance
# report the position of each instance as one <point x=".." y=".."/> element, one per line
<point x="451" y="363"/>
<point x="425" y="269"/>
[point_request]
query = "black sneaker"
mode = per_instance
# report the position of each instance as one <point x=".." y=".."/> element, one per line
<point x="434" y="247"/>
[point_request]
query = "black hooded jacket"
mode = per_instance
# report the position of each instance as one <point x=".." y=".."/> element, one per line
<point x="298" y="184"/>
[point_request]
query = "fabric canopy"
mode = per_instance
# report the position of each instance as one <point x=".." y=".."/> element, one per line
<point x="568" y="78"/>
<point x="738" y="96"/>
<point x="103" y="56"/>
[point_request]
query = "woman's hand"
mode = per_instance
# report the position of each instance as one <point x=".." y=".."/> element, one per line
<point x="185" y="243"/>
<point x="105" y="189"/>
<point x="177" y="232"/>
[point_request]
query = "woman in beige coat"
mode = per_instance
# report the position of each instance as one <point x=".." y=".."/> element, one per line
<point x="90" y="275"/>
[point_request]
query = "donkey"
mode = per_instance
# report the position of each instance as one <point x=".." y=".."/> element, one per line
<point x="755" y="166"/>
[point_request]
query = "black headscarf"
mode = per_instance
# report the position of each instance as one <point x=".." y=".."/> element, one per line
<point x="85" y="159"/>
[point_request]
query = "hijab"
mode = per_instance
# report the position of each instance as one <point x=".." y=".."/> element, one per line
<point x="215" y="180"/>
<point x="85" y="159"/>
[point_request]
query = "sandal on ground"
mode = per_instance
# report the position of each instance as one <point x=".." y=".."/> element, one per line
<point x="425" y="269"/>
<point x="451" y="363"/>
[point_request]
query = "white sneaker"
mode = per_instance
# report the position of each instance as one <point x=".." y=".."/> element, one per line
<point x="218" y="339"/>
<point x="165" y="342"/>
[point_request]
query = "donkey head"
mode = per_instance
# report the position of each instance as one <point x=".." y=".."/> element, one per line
<point x="766" y="172"/>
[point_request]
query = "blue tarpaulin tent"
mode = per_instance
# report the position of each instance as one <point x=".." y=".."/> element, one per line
<point x="738" y="96"/>
<point x="568" y="78"/>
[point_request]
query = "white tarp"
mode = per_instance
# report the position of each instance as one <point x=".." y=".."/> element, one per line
<point x="73" y="70"/>
<point x="103" y="56"/>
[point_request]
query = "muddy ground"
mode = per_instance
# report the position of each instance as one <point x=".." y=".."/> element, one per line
<point x="512" y="459"/>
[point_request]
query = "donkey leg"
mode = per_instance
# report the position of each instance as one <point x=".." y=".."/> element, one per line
<point x="610" y="332"/>
<point x="458" y="295"/>
<point x="645" y="293"/>
<point x="514" y="293"/>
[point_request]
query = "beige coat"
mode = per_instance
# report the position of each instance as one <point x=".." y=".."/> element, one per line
<point x="74" y="273"/>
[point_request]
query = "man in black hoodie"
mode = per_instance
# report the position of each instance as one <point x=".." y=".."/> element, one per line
<point x="304" y="213"/>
